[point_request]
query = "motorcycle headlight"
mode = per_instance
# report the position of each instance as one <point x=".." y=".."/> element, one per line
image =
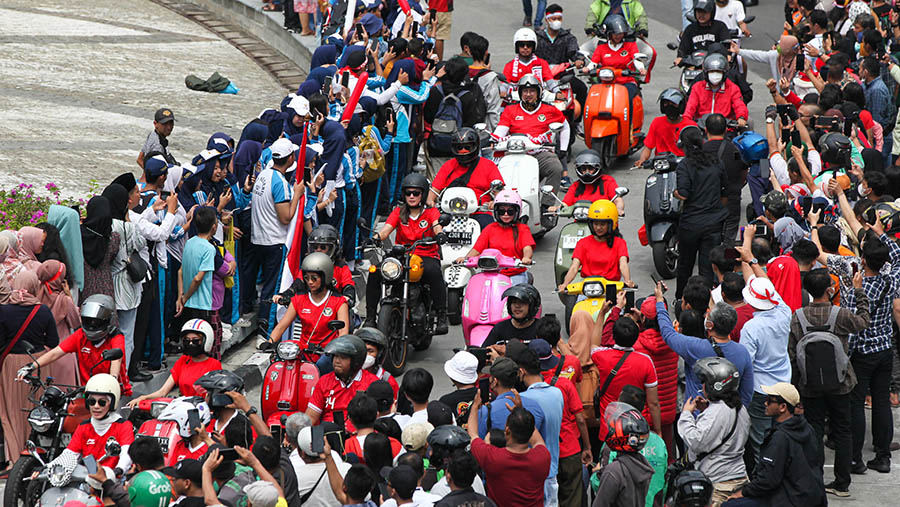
<point x="606" y="75"/>
<point x="661" y="165"/>
<point x="40" y="419"/>
<point x="59" y="476"/>
<point x="458" y="204"/>
<point x="515" y="145"/>
<point x="157" y="408"/>
<point x="391" y="269"/>
<point x="593" y="290"/>
<point x="288" y="350"/>
<point x="580" y="213"/>
<point x="488" y="263"/>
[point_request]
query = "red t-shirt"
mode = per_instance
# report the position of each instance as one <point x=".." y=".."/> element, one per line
<point x="314" y="318"/>
<point x="354" y="445"/>
<point x="441" y="5"/>
<point x="85" y="441"/>
<point x="515" y="69"/>
<point x="89" y="354"/>
<point x="186" y="371"/>
<point x="744" y="314"/>
<point x="330" y="395"/>
<point x="568" y="432"/>
<point x="480" y="181"/>
<point x="603" y="189"/>
<point x="571" y="370"/>
<point x="621" y="58"/>
<point x="598" y="259"/>
<point x="502" y="238"/>
<point x="416" y="229"/>
<point x="866" y="118"/>
<point x="181" y="451"/>
<point x="663" y="135"/>
<point x="534" y="123"/>
<point x="513" y="479"/>
<point x="638" y="370"/>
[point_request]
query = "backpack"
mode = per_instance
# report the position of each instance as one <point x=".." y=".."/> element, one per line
<point x="447" y="120"/>
<point x="821" y="359"/>
<point x="368" y="143"/>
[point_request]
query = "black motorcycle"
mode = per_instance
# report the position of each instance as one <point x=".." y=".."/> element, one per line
<point x="662" y="211"/>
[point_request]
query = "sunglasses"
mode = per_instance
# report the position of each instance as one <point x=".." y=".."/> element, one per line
<point x="321" y="248"/>
<point x="101" y="402"/>
<point x="413" y="193"/>
<point x="503" y="210"/>
<point x="774" y="399"/>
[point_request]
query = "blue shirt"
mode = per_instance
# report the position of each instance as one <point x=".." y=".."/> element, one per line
<point x="550" y="405"/>
<point x="878" y="101"/>
<point x="692" y="349"/>
<point x="199" y="255"/>
<point x="499" y="412"/>
<point x="766" y="338"/>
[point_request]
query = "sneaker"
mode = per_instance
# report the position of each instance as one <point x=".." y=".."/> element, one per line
<point x="882" y="465"/>
<point x="831" y="489"/>
<point x="243" y="322"/>
<point x="858" y="468"/>
<point x="895" y="446"/>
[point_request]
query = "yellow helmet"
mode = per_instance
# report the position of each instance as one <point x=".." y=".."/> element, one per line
<point x="604" y="209"/>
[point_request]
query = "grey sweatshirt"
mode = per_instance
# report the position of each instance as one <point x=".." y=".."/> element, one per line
<point x="707" y="431"/>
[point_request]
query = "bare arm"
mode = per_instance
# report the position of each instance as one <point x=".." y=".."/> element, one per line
<point x="653" y="403"/>
<point x="334" y="476"/>
<point x="289" y="315"/>
<point x="570" y="274"/>
<point x="586" y="456"/>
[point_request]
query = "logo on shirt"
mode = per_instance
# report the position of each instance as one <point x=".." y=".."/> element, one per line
<point x="327" y="312"/>
<point x="85" y="350"/>
<point x="541" y="117"/>
<point x="624" y="52"/>
<point x="423" y="224"/>
<point x="520" y="118"/>
<point x="90" y="441"/>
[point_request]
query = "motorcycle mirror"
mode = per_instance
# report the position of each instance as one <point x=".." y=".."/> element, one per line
<point x="112" y="447"/>
<point x="112" y="354"/>
<point x="622" y="191"/>
<point x="672" y="46"/>
<point x="444" y="219"/>
<point x="29" y="348"/>
<point x="641" y="57"/>
<point x="547" y="189"/>
<point x="555" y="126"/>
<point x="497" y="185"/>
<point x="480" y="126"/>
<point x="30" y="446"/>
<point x="335" y="325"/>
<point x="362" y="222"/>
<point x="749" y="19"/>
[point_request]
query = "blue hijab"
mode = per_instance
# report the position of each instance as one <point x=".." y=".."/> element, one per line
<point x="246" y="157"/>
<point x="407" y="65"/>
<point x="321" y="74"/>
<point x="256" y="130"/>
<point x="68" y="222"/>
<point x="349" y="50"/>
<point x="309" y="88"/>
<point x="324" y="55"/>
<point x="276" y="125"/>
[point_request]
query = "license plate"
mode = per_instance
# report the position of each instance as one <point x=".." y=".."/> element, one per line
<point x="459" y="237"/>
<point x="570" y="242"/>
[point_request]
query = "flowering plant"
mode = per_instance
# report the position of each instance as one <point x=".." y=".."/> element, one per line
<point x="22" y="205"/>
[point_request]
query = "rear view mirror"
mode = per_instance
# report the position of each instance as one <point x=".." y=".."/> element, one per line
<point x="445" y="219"/>
<point x="622" y="191"/>
<point x="112" y="354"/>
<point x="641" y="57"/>
<point x="555" y="126"/>
<point x="547" y="189"/>
<point x="335" y="325"/>
<point x="497" y="185"/>
<point x="27" y="345"/>
<point x="479" y="126"/>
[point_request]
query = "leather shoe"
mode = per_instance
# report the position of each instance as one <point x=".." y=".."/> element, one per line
<point x="858" y="468"/>
<point x="882" y="465"/>
<point x="895" y="446"/>
<point x="139" y="376"/>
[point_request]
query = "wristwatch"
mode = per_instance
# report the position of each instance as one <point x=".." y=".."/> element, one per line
<point x="770" y="120"/>
<point x="753" y="261"/>
<point x="252" y="411"/>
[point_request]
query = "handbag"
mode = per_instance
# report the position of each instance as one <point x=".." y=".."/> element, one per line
<point x="135" y="266"/>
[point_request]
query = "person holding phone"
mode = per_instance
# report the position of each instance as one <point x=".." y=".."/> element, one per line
<point x="192" y="417"/>
<point x="782" y="61"/>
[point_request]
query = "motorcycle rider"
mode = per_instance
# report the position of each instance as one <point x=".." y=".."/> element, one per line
<point x="591" y="184"/>
<point x="702" y="32"/>
<point x="559" y="45"/>
<point x="376" y="349"/>
<point x="631" y="10"/>
<point x="626" y="480"/>
<point x="533" y="118"/>
<point x="662" y="136"/>
<point x="414" y="221"/>
<point x="603" y="253"/>
<point x="98" y="333"/>
<point x="325" y="239"/>
<point x="468" y="169"/>
<point x="334" y="390"/>
<point x="526" y="62"/>
<point x="523" y="302"/>
<point x="618" y="53"/>
<point x="193" y="443"/>
<point x="716" y="94"/>
<point x="507" y="234"/>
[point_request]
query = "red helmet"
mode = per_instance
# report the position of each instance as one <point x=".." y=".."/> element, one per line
<point x="627" y="430"/>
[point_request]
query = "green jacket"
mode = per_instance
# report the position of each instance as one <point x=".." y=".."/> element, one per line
<point x="632" y="9"/>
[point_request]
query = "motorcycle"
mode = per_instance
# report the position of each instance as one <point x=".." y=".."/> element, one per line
<point x="661" y="214"/>
<point x="67" y="484"/>
<point x="594" y="290"/>
<point x="462" y="233"/>
<point x="58" y="412"/>
<point x="691" y="67"/>
<point x="606" y="115"/>
<point x="484" y="304"/>
<point x="644" y="47"/>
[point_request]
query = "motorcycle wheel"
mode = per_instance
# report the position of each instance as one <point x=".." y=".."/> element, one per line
<point x="390" y="323"/>
<point x="606" y="147"/>
<point x="665" y="256"/>
<point x="454" y="306"/>
<point x="15" y="493"/>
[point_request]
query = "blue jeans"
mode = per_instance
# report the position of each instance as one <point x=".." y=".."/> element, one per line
<point x="886" y="150"/>
<point x="539" y="17"/>
<point x="686" y="7"/>
<point x="325" y="365"/>
<point x="126" y="326"/>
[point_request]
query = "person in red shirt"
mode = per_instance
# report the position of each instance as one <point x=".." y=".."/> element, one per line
<point x="591" y="185"/>
<point x="414" y="221"/>
<point x="376" y="349"/>
<point x="525" y="61"/>
<point x="603" y="253"/>
<point x="619" y="54"/>
<point x="193" y="441"/>
<point x="333" y="392"/>
<point x="507" y="234"/>
<point x="662" y="136"/>
<point x="325" y="239"/>
<point x="97" y="335"/>
<point x="196" y="342"/>
<point x="363" y="411"/>
<point x="716" y="94"/>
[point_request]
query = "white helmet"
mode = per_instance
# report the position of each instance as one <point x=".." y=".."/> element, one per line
<point x="202" y="327"/>
<point x="104" y="383"/>
<point x="524" y="35"/>
<point x="178" y="410"/>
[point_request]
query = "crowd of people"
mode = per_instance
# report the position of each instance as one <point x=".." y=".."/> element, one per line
<point x="786" y="334"/>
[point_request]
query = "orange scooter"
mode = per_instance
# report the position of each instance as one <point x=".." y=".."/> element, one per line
<point x="608" y="128"/>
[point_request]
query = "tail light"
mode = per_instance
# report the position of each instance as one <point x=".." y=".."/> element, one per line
<point x="642" y="235"/>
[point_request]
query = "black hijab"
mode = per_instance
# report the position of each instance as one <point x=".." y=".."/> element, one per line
<point x="118" y="200"/>
<point x="96" y="230"/>
<point x="126" y="180"/>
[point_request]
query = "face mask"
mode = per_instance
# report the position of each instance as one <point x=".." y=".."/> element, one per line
<point x="369" y="362"/>
<point x="863" y="191"/>
<point x="715" y="78"/>
<point x="671" y="110"/>
<point x="555" y="25"/>
<point x="859" y="37"/>
<point x="192" y="349"/>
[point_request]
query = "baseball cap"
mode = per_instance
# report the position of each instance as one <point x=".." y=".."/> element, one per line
<point x="164" y="115"/>
<point x="504" y="367"/>
<point x="261" y="494"/>
<point x="462" y="367"/>
<point x="156" y="166"/>
<point x="776" y="202"/>
<point x="544" y="353"/>
<point x="381" y="390"/>
<point x="300" y="105"/>
<point x="186" y="469"/>
<point x="415" y="435"/>
<point x="787" y="391"/>
<point x="282" y="148"/>
<point x="760" y="293"/>
<point x="304" y="441"/>
<point x="439" y="413"/>
<point x="648" y="307"/>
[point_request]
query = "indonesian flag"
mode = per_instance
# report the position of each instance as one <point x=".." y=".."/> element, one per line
<point x="294" y="241"/>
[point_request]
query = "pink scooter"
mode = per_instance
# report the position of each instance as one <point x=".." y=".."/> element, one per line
<point x="483" y="303"/>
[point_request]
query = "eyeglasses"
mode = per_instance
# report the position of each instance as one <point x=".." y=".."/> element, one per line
<point x="506" y="210"/>
<point x="101" y="402"/>
<point x="194" y="341"/>
<point x="413" y="193"/>
<point x="774" y="399"/>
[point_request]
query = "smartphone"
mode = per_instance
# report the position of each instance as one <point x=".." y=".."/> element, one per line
<point x="345" y="79"/>
<point x="855" y="268"/>
<point x="415" y="28"/>
<point x="818" y="207"/>
<point x="795" y="138"/>
<point x="783" y="111"/>
<point x="193" y="419"/>
<point x="805" y="204"/>
<point x="373" y="44"/>
<point x="165" y="194"/>
<point x="655" y="279"/>
<point x="826" y="122"/>
<point x="764" y="169"/>
<point x="785" y="135"/>
<point x="732" y="253"/>
<point x="801" y="62"/>
<point x="848" y="126"/>
<point x="762" y="230"/>
<point x="430" y="64"/>
<point x="433" y="13"/>
<point x="229" y="454"/>
<point x="611" y="293"/>
<point x="629" y="300"/>
<point x="90" y="463"/>
<point x="318" y="439"/>
<point x="360" y="31"/>
<point x="487" y="58"/>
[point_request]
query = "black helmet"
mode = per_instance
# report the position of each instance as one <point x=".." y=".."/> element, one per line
<point x="627" y="430"/>
<point x="715" y="62"/>
<point x="718" y="375"/>
<point x="350" y="346"/>
<point x="705" y="5"/>
<point x="691" y="488"/>
<point x="217" y="383"/>
<point x="835" y="149"/>
<point x="465" y="146"/>
<point x="615" y="23"/>
<point x="445" y="439"/>
<point x="317" y="262"/>
<point x="374" y="336"/>
<point x="673" y="95"/>
<point x="415" y="180"/>
<point x="523" y="292"/>
<point x="325" y="235"/>
<point x="588" y="158"/>
<point x="98" y="314"/>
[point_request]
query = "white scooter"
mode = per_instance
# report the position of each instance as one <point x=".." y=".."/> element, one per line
<point x="462" y="233"/>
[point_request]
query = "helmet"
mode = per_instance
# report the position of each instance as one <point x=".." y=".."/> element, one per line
<point x="588" y="158"/>
<point x="835" y="149"/>
<point x="374" y="336"/>
<point x="465" y="145"/>
<point x="529" y="81"/>
<point x="615" y="23"/>
<point x="524" y="35"/>
<point x="98" y="317"/>
<point x="524" y="292"/>
<point x="317" y="262"/>
<point x="691" y="488"/>
<point x="604" y="209"/>
<point x="350" y="346"/>
<point x="325" y="235"/>
<point x="753" y="147"/>
<point x="217" y="383"/>
<point x="445" y="439"/>
<point x="718" y="375"/>
<point x="149" y="488"/>
<point x="508" y="197"/>
<point x="202" y="327"/>
<point x="705" y="5"/>
<point x="627" y="430"/>
<point x="104" y="383"/>
<point x="715" y="62"/>
<point x="673" y="95"/>
<point x="178" y="410"/>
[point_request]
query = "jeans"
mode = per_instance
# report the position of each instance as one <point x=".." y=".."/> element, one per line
<point x="686" y="8"/>
<point x="551" y="492"/>
<point x="269" y="259"/>
<point x="759" y="424"/>
<point x="886" y="150"/>
<point x="325" y="365"/>
<point x="126" y="326"/>
<point x="873" y="374"/>
<point x="143" y="324"/>
<point x="696" y="244"/>
<point x="836" y="409"/>
<point x="539" y="17"/>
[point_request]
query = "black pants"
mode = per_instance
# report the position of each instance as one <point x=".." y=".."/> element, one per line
<point x="142" y="322"/>
<point x="873" y="374"/>
<point x="729" y="235"/>
<point x="431" y="276"/>
<point x="249" y="271"/>
<point x="835" y="409"/>
<point x="291" y="19"/>
<point x="269" y="259"/>
<point x="694" y="243"/>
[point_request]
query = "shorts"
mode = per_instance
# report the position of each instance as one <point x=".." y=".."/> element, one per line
<point x="443" y="22"/>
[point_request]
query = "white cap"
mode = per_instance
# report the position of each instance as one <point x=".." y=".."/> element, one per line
<point x="462" y="367"/>
<point x="304" y="441"/>
<point x="316" y="147"/>
<point x="283" y="147"/>
<point x="760" y="293"/>
<point x="300" y="105"/>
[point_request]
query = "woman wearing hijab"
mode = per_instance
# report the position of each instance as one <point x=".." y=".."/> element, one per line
<point x="56" y="296"/>
<point x="22" y="314"/>
<point x="11" y="265"/>
<point x="68" y="222"/>
<point x="31" y="244"/>
<point x="99" y="245"/>
<point x="54" y="249"/>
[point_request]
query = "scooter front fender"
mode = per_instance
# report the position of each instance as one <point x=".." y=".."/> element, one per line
<point x="478" y="334"/>
<point x="457" y="276"/>
<point x="659" y="230"/>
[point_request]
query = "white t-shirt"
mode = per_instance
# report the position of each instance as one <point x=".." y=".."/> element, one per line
<point x="420" y="498"/>
<point x="416" y="417"/>
<point x="322" y="496"/>
<point x="270" y="189"/>
<point x="731" y="14"/>
<point x="442" y="489"/>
